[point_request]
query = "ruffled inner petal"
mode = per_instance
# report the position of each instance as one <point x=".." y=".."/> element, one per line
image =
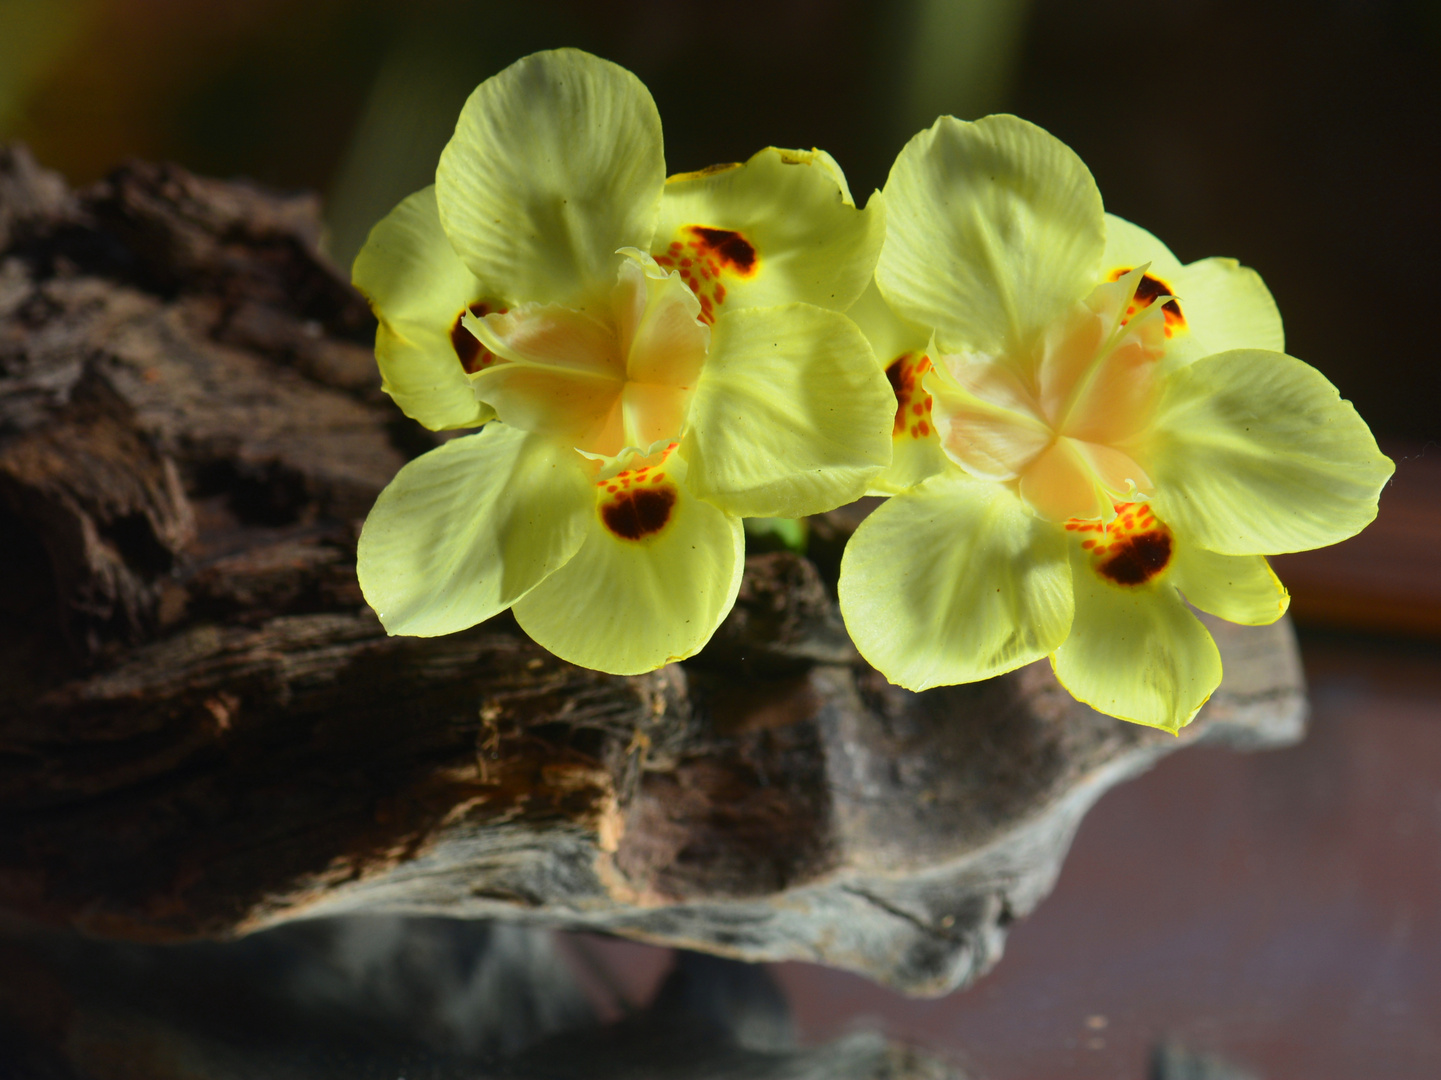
<point x="579" y="410"/>
<point x="668" y="343"/>
<point x="551" y="336"/>
<point x="1118" y="395"/>
<point x="1116" y="470"/>
<point x="986" y="418"/>
<point x="600" y="384"/>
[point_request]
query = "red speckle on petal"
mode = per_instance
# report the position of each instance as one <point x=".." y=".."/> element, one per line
<point x="911" y="400"/>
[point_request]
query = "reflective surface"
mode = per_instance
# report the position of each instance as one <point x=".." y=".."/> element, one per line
<point x="1282" y="910"/>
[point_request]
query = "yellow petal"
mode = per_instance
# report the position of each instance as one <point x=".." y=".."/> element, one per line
<point x="994" y="229"/>
<point x="419" y="289"/>
<point x="793" y="414"/>
<point x="1237" y="588"/>
<point x="1256" y="453"/>
<point x="657" y="573"/>
<point x="556" y="163"/>
<point x="1135" y="651"/>
<point x="779" y="229"/>
<point x="952" y="581"/>
<point x="466" y="529"/>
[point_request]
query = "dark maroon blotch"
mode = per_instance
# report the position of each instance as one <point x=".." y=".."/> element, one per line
<point x="731" y="246"/>
<point x="634" y="514"/>
<point x="1150" y="288"/>
<point x="1138" y="559"/>
<point x="473" y="355"/>
<point x="896" y="374"/>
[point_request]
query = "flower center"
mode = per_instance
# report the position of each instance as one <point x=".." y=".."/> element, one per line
<point x="1061" y="421"/>
<point x="619" y="375"/>
<point x="1130" y="549"/>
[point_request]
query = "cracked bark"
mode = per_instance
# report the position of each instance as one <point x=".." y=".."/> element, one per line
<point x="206" y="732"/>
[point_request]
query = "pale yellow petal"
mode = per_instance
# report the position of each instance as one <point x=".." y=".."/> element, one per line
<point x="650" y="593"/>
<point x="952" y="581"/>
<point x="994" y="229"/>
<point x="465" y="530"/>
<point x="1135" y="651"/>
<point x="556" y="163"/>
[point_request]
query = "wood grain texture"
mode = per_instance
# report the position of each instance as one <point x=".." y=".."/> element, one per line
<point x="207" y="732"/>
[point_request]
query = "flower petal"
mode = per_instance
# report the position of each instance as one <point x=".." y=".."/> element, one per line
<point x="890" y="335"/>
<point x="900" y="346"/>
<point x="994" y="229"/>
<point x="1256" y="453"/>
<point x="1061" y="484"/>
<point x="792" y="416"/>
<point x="780" y="228"/>
<point x="466" y="529"/>
<point x="1223" y="304"/>
<point x="418" y="288"/>
<point x="1129" y="246"/>
<point x="1135" y="651"/>
<point x="954" y="581"/>
<point x="627" y="605"/>
<point x="666" y="343"/>
<point x="1237" y="588"/>
<point x="556" y="163"/>
<point x="1229" y="307"/>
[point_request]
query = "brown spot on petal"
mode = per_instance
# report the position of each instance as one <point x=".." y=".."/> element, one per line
<point x="1132" y="548"/>
<point x="1138" y="558"/>
<point x="727" y="247"/>
<point x="638" y="513"/>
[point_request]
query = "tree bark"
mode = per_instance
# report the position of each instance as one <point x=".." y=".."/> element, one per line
<point x="207" y="732"/>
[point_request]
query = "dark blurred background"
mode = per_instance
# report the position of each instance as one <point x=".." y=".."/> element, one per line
<point x="1300" y="136"/>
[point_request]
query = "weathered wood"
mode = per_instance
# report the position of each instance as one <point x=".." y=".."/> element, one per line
<point x="206" y="732"/>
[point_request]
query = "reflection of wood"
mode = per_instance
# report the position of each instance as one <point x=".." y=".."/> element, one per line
<point x="206" y="732"/>
<point x="380" y="998"/>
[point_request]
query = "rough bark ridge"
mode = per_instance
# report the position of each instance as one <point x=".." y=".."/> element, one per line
<point x="206" y="731"/>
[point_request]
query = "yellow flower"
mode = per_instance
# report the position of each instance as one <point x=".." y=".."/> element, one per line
<point x="1090" y="432"/>
<point x="648" y="361"/>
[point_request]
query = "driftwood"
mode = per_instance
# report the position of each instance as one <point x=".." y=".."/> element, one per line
<point x="206" y="731"/>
